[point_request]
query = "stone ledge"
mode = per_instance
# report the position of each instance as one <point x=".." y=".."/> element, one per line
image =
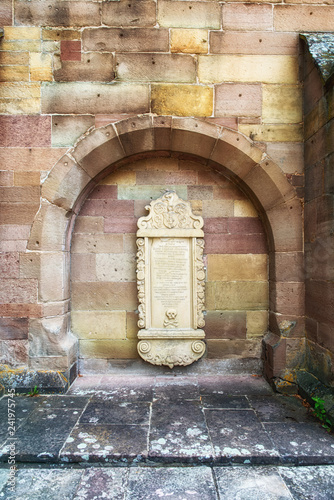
<point x="23" y="380"/>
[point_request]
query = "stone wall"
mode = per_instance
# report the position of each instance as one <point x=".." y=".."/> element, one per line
<point x="103" y="279"/>
<point x="319" y="214"/>
<point x="70" y="67"/>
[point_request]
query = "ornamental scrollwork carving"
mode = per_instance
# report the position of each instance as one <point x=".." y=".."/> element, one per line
<point x="170" y="212"/>
<point x="200" y="276"/>
<point x="141" y="282"/>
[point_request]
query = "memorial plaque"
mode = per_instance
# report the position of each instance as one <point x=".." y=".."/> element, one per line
<point x="170" y="281"/>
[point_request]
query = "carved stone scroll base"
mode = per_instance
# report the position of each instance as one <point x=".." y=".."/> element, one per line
<point x="163" y="348"/>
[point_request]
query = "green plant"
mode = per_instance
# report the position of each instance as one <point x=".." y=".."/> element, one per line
<point x="320" y="412"/>
<point x="33" y="392"/>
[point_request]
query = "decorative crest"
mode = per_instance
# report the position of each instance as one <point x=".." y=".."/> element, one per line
<point x="170" y="212"/>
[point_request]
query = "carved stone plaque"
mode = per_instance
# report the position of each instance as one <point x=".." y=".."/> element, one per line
<point x="170" y="282"/>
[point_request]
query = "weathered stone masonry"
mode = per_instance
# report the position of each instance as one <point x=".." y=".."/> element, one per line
<point x="103" y="105"/>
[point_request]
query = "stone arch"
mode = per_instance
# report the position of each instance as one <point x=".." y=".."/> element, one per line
<point x="102" y="150"/>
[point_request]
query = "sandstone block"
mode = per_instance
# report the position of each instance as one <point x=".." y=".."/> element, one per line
<point x="266" y="43"/>
<point x="273" y="132"/>
<point x="148" y="192"/>
<point x="14" y="58"/>
<point x="67" y="129"/>
<point x="216" y="225"/>
<point x="129" y="13"/>
<point x="218" y="208"/>
<point x="115" y="267"/>
<point x="248" y="68"/>
<point x="18" y="291"/>
<point x="14" y="194"/>
<point x="286" y="224"/>
<point x="257" y="323"/>
<point x="235" y="243"/>
<point x="103" y="192"/>
<point x="30" y="265"/>
<point x="27" y="178"/>
<point x="247" y="16"/>
<point x="90" y="325"/>
<point x="9" y="265"/>
<point x="121" y="225"/>
<point x="22" y="33"/>
<point x="156" y="68"/>
<point x="127" y="178"/>
<point x="54" y="270"/>
<point x="14" y="232"/>
<point x="157" y="177"/>
<point x="97" y="243"/>
<point x="245" y="225"/>
<point x="6" y="12"/>
<point x="90" y="67"/>
<point x="282" y="104"/>
<point x="107" y="207"/>
<point x="25" y="131"/>
<point x="200" y="193"/>
<point x="14" y="74"/>
<point x="225" y="325"/>
<point x="104" y="296"/>
<point x="21" y="45"/>
<point x="20" y="90"/>
<point x="110" y="349"/>
<point x="189" y="14"/>
<point x="288" y="298"/>
<point x="249" y="295"/>
<point x="92" y="98"/>
<point x="131" y="325"/>
<point x="18" y="213"/>
<point x="303" y="18"/>
<point x="126" y="39"/>
<point x="182" y="100"/>
<point x="6" y="178"/>
<point x="238" y="100"/>
<point x="241" y="267"/>
<point x="53" y="34"/>
<point x="287" y="266"/>
<point x="64" y="183"/>
<point x="15" y="352"/>
<point x="191" y="41"/>
<point x="41" y="67"/>
<point x="70" y="50"/>
<point x="227" y="349"/>
<point x="88" y="225"/>
<point x="57" y="13"/>
<point x="194" y="137"/>
<point x="288" y="156"/>
<point x="30" y="159"/>
<point x="47" y="336"/>
<point x="83" y="267"/>
<point x="244" y="208"/>
<point x="49" y="229"/>
<point x="13" y="329"/>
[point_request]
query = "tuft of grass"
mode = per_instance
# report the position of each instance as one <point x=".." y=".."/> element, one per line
<point x="34" y="392"/>
<point x="320" y="412"/>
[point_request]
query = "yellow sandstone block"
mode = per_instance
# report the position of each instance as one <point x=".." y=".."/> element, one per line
<point x="193" y="41"/>
<point x="257" y="323"/>
<point x="182" y="100"/>
<point x="22" y="46"/>
<point x="55" y="34"/>
<point x="238" y="295"/>
<point x="282" y="104"/>
<point x="41" y="67"/>
<point x="241" y="267"/>
<point x="12" y="90"/>
<point x="14" y="73"/>
<point x="22" y="33"/>
<point x="14" y="58"/>
<point x="109" y="349"/>
<point x="273" y="133"/>
<point x="20" y="106"/>
<point x="121" y="177"/>
<point x="248" y="68"/>
<point x="244" y="208"/>
<point x="99" y="324"/>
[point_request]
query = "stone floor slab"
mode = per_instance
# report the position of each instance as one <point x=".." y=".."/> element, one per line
<point x="105" y="443"/>
<point x="238" y="437"/>
<point x="251" y="483"/>
<point x="175" y="483"/>
<point x="282" y="409"/>
<point x="224" y="402"/>
<point x="97" y="483"/>
<point x="116" y="413"/>
<point x="302" y="443"/>
<point x="235" y="385"/>
<point x="309" y="483"/>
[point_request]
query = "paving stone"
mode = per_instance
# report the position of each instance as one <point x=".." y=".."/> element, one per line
<point x="115" y="413"/>
<point x="105" y="443"/>
<point x="179" y="432"/>
<point x="302" y="444"/>
<point x="110" y="483"/>
<point x="68" y="402"/>
<point x="234" y="385"/>
<point x="309" y="483"/>
<point x="224" y="402"/>
<point x="37" y="484"/>
<point x="238" y="437"/>
<point x="279" y="409"/>
<point x="176" y="392"/>
<point x="174" y="483"/>
<point x="24" y="406"/>
<point x="251" y="483"/>
<point x="42" y="434"/>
